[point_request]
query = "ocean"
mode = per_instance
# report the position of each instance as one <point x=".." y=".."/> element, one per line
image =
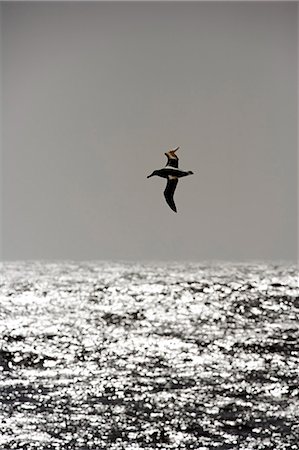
<point x="100" y="355"/>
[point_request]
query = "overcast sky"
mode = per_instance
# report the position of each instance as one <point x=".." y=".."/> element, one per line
<point x="95" y="93"/>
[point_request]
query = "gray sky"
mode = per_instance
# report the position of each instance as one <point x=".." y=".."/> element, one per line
<point x="94" y="93"/>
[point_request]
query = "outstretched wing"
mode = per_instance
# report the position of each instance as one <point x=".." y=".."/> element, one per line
<point x="169" y="191"/>
<point x="172" y="159"/>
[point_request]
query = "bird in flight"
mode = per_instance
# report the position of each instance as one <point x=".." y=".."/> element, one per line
<point x="172" y="173"/>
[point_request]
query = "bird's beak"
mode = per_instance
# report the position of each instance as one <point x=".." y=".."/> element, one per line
<point x="175" y="149"/>
<point x="150" y="175"/>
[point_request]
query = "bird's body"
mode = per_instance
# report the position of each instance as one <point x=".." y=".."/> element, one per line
<point x="169" y="171"/>
<point x="172" y="173"/>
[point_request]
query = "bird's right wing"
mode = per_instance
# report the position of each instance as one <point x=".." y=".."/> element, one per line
<point x="172" y="159"/>
<point x="169" y="191"/>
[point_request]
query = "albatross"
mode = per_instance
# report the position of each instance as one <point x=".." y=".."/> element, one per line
<point x="172" y="173"/>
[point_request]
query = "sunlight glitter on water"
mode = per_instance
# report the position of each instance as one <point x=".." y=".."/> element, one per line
<point x="121" y="356"/>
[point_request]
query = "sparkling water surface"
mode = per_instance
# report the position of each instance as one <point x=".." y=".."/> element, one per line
<point x="149" y="356"/>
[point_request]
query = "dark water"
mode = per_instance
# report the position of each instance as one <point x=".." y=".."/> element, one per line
<point x="122" y="356"/>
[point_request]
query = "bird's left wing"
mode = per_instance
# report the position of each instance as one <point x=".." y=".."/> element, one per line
<point x="172" y="159"/>
<point x="169" y="191"/>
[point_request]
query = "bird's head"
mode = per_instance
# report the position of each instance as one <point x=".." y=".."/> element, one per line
<point x="155" y="172"/>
